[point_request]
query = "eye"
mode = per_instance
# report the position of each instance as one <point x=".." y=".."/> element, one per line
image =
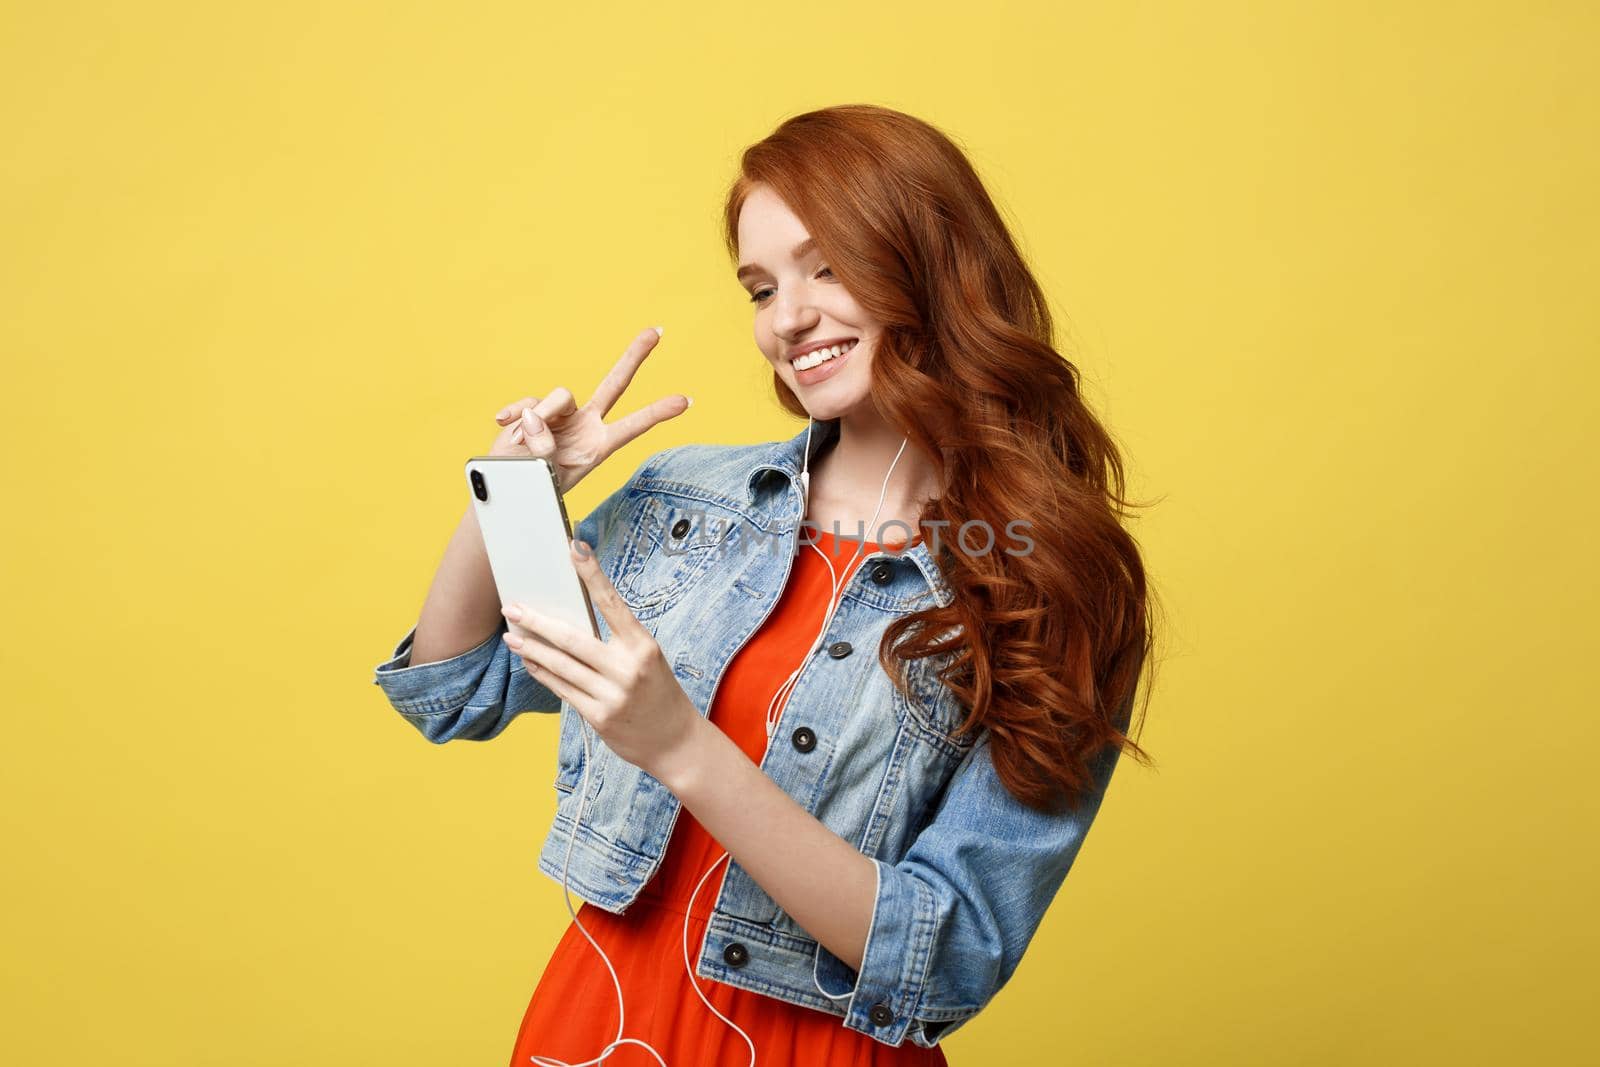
<point x="757" y="296"/>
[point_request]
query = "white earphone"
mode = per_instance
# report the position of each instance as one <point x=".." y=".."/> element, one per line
<point x="779" y="700"/>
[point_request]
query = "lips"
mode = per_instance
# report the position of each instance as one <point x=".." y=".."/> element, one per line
<point x="818" y="354"/>
<point x="807" y="373"/>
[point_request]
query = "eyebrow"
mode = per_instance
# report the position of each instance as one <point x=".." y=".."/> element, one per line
<point x="799" y="250"/>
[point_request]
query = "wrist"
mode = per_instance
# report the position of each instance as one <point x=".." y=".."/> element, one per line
<point x="685" y="763"/>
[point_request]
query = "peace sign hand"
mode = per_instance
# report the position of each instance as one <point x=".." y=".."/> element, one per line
<point x="575" y="439"/>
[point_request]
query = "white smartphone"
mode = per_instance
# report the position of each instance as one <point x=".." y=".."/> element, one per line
<point x="526" y="533"/>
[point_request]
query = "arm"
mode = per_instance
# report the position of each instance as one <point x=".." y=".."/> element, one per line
<point x="954" y="916"/>
<point x="934" y="936"/>
<point x="814" y="874"/>
<point x="462" y="609"/>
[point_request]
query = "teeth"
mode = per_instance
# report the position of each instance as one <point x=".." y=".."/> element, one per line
<point x="821" y="355"/>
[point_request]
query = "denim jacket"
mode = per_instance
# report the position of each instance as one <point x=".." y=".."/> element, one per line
<point x="699" y="543"/>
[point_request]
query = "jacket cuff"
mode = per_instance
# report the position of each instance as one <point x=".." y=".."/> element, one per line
<point x="894" y="966"/>
<point x="433" y="687"/>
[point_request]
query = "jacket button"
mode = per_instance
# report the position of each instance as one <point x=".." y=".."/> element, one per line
<point x="880" y="1014"/>
<point x="840" y="649"/>
<point x="735" y="955"/>
<point x="882" y="573"/>
<point x="680" y="528"/>
<point x="804" y="739"/>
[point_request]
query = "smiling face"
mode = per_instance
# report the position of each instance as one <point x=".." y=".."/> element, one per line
<point x="799" y="305"/>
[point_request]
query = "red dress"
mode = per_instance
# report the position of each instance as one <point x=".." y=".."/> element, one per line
<point x="573" y="1013"/>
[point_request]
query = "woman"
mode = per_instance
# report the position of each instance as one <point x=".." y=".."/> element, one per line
<point x="855" y="849"/>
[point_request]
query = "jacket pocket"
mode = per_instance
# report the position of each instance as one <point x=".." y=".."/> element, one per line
<point x="674" y="543"/>
<point x="932" y="711"/>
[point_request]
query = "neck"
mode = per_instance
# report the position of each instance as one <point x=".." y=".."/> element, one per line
<point x="847" y="478"/>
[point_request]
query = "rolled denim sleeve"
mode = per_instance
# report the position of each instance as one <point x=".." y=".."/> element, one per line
<point x="951" y="920"/>
<point x="474" y="696"/>
<point x="469" y="697"/>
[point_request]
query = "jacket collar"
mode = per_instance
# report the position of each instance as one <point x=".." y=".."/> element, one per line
<point x="785" y="456"/>
<point x="782" y="459"/>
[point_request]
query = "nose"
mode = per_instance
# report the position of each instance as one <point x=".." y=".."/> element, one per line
<point x="793" y="315"/>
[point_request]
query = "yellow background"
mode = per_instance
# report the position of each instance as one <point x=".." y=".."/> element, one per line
<point x="266" y="275"/>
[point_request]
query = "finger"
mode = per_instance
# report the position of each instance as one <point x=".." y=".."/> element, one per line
<point x="535" y="433"/>
<point x="628" y="427"/>
<point x="560" y="687"/>
<point x="548" y="663"/>
<point x="616" y="380"/>
<point x="589" y="651"/>
<point x="560" y="404"/>
<point x="603" y="595"/>
<point x="511" y="411"/>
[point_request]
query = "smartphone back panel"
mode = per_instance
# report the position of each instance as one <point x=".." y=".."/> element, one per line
<point x="526" y="533"/>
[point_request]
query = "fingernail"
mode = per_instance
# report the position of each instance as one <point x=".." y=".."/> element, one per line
<point x="512" y="612"/>
<point x="534" y="422"/>
<point x="660" y="330"/>
<point x="581" y="548"/>
<point x="689" y="401"/>
<point x="512" y="639"/>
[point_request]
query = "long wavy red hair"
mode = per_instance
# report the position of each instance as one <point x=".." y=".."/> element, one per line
<point x="1046" y="648"/>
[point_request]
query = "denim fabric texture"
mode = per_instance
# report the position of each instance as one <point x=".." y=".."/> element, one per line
<point x="699" y="542"/>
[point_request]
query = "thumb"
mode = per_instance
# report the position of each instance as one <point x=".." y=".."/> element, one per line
<point x="535" y="434"/>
